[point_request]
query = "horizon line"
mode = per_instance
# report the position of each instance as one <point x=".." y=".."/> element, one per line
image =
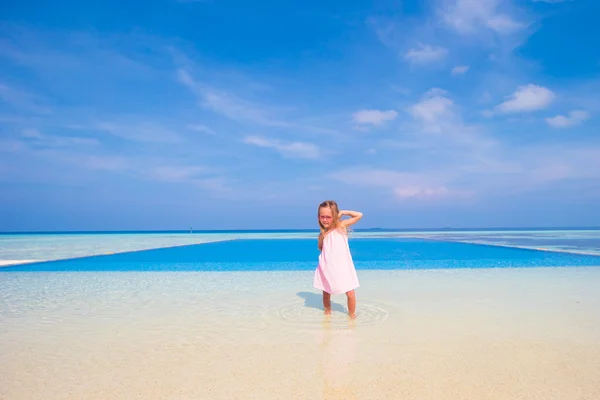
<point x="449" y="229"/>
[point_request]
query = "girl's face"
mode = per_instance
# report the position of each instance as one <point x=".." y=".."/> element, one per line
<point x="325" y="217"/>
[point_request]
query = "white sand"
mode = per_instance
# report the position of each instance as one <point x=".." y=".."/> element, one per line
<point x="438" y="334"/>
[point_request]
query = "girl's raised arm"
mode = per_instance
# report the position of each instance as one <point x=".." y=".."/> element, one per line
<point x="355" y="216"/>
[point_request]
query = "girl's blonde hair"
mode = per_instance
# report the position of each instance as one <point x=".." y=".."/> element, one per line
<point x="335" y="210"/>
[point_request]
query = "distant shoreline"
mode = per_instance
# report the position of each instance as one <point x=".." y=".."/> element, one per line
<point x="199" y="231"/>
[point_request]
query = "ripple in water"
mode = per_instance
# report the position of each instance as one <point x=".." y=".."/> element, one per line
<point x="299" y="315"/>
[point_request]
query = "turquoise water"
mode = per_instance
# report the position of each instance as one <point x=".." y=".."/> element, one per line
<point x="383" y="251"/>
<point x="301" y="254"/>
<point x="575" y="241"/>
<point x="226" y="315"/>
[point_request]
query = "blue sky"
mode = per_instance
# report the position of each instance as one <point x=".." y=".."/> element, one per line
<point x="225" y="114"/>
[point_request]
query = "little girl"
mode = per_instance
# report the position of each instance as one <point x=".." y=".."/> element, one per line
<point x="335" y="273"/>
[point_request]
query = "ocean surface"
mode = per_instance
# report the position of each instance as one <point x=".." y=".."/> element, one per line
<point x="383" y="245"/>
<point x="221" y="315"/>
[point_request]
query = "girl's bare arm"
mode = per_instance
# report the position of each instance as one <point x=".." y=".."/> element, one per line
<point x="355" y="216"/>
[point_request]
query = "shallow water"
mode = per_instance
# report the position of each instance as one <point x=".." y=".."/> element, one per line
<point x="575" y="241"/>
<point x="301" y="254"/>
<point x="16" y="248"/>
<point x="240" y="319"/>
<point x="420" y="334"/>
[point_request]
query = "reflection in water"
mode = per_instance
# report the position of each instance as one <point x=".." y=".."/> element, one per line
<point x="338" y="352"/>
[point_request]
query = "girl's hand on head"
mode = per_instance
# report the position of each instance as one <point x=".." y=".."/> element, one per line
<point x="355" y="216"/>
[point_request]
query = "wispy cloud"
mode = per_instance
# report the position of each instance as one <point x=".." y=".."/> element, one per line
<point x="374" y="117"/>
<point x="39" y="140"/>
<point x="157" y="114"/>
<point x="460" y="70"/>
<point x="228" y="104"/>
<point x="468" y="17"/>
<point x="425" y="54"/>
<point x="85" y="154"/>
<point x="575" y="117"/>
<point x="526" y="99"/>
<point x="428" y="193"/>
<point x="287" y="149"/>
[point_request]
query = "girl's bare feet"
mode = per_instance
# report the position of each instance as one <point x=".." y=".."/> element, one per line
<point x="352" y="316"/>
<point x="327" y="302"/>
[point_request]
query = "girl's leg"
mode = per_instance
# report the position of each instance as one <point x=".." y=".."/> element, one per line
<point x="327" y="302"/>
<point x="351" y="303"/>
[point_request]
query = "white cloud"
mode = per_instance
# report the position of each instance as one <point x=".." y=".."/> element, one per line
<point x="374" y="117"/>
<point x="440" y="136"/>
<point x="451" y="160"/>
<point x="289" y="149"/>
<point x="526" y="99"/>
<point x="434" y="111"/>
<point x="574" y="117"/>
<point x="470" y="16"/>
<point x="460" y="70"/>
<point x="425" y="54"/>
